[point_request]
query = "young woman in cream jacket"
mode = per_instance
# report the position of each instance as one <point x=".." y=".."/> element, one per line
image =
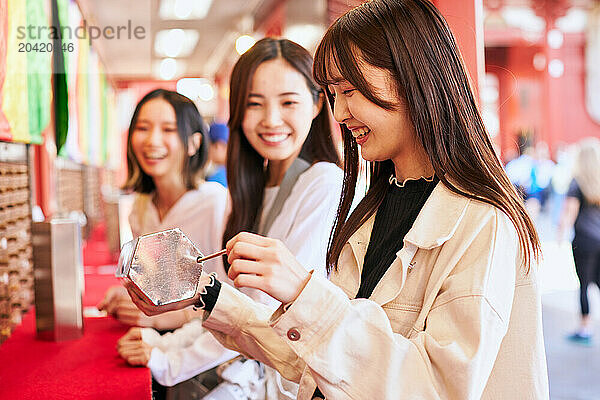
<point x="433" y="292"/>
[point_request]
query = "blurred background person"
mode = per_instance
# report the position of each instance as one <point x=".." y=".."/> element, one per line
<point x="541" y="175"/>
<point x="217" y="153"/>
<point x="519" y="170"/>
<point x="531" y="173"/>
<point x="562" y="175"/>
<point x="582" y="210"/>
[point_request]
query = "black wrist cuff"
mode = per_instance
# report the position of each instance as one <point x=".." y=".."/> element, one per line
<point x="209" y="294"/>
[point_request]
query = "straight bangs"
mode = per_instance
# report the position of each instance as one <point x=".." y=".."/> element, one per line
<point x="338" y="59"/>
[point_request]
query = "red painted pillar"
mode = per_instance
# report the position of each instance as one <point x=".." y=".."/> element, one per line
<point x="45" y="173"/>
<point x="272" y="21"/>
<point x="335" y="8"/>
<point x="465" y="18"/>
<point x="552" y="87"/>
<point x="552" y="122"/>
<point x="222" y="88"/>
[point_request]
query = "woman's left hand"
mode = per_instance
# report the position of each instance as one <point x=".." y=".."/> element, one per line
<point x="265" y="264"/>
<point x="133" y="349"/>
<point x="147" y="307"/>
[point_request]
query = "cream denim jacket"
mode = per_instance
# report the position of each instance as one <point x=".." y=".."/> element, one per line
<point x="454" y="317"/>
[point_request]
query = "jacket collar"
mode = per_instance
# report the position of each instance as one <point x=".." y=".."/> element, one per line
<point x="435" y="224"/>
<point x="438" y="219"/>
<point x="359" y="240"/>
<point x="358" y="243"/>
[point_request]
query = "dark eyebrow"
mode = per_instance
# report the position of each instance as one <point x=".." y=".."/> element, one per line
<point x="334" y="80"/>
<point x="280" y="95"/>
<point x="145" y="121"/>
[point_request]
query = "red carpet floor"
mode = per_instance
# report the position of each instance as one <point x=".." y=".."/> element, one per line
<point x="95" y="249"/>
<point x="84" y="368"/>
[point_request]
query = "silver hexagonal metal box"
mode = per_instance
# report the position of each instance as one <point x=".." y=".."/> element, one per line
<point x="163" y="265"/>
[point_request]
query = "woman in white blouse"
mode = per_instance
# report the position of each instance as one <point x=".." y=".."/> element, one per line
<point x="167" y="147"/>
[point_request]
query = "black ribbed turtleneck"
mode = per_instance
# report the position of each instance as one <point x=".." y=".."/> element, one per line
<point x="395" y="216"/>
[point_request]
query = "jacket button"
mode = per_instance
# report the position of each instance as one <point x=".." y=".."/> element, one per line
<point x="293" y="334"/>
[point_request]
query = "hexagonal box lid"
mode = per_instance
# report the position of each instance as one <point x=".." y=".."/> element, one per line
<point x="162" y="265"/>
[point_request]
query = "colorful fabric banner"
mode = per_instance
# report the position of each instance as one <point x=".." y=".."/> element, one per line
<point x="61" y="92"/>
<point x="26" y="90"/>
<point x="39" y="69"/>
<point x="94" y="128"/>
<point x="84" y="99"/>
<point x="14" y="91"/>
<point x="4" y="126"/>
<point x="72" y="19"/>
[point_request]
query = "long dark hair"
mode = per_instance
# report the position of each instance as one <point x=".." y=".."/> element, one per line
<point x="189" y="121"/>
<point x="411" y="40"/>
<point x="245" y="176"/>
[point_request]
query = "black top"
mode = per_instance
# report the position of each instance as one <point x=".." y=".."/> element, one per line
<point x="587" y="224"/>
<point x="395" y="216"/>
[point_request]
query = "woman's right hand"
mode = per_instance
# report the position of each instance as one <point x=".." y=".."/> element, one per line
<point x="117" y="303"/>
<point x="266" y="264"/>
<point x="111" y="298"/>
<point x="128" y="313"/>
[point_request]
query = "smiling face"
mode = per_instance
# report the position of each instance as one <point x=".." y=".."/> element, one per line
<point x="382" y="134"/>
<point x="279" y="111"/>
<point x="156" y="143"/>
